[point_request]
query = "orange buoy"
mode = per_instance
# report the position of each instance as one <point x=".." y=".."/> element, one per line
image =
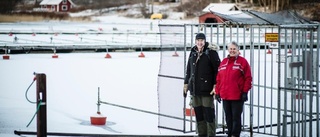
<point x="190" y="112"/>
<point x="55" y="55"/>
<point x="141" y="55"/>
<point x="98" y="119"/>
<point x="269" y="51"/>
<point x="175" y="54"/>
<point x="107" y="55"/>
<point x="5" y="56"/>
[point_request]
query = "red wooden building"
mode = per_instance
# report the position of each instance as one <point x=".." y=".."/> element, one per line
<point x="56" y="5"/>
<point x="208" y="17"/>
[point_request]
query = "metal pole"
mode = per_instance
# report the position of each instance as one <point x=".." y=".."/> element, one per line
<point x="98" y="103"/>
<point x="184" y="72"/>
<point x="311" y="83"/>
<point x="252" y="68"/>
<point x="317" y="83"/>
<point x="144" y="111"/>
<point x="42" y="101"/>
<point x="271" y="90"/>
<point x="279" y="84"/>
<point x="285" y="107"/>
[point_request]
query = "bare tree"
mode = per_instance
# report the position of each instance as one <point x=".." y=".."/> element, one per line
<point x="263" y="3"/>
<point x="8" y="6"/>
<point x="277" y="5"/>
<point x="143" y="8"/>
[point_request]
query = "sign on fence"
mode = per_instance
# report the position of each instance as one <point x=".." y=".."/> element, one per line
<point x="271" y="37"/>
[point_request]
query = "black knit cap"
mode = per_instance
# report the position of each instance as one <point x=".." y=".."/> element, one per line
<point x="201" y="36"/>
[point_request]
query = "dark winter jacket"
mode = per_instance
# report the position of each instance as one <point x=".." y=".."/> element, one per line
<point x="234" y="78"/>
<point x="201" y="76"/>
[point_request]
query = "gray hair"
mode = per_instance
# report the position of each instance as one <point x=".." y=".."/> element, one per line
<point x="234" y="43"/>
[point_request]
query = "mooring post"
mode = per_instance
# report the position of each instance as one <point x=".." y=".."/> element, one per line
<point x="98" y="103"/>
<point x="41" y="105"/>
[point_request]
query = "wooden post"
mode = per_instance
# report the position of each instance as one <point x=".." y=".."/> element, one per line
<point x="42" y="112"/>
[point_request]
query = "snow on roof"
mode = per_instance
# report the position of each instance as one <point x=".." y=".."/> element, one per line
<point x="255" y="17"/>
<point x="53" y="2"/>
<point x="240" y="18"/>
<point x="220" y="7"/>
<point x="50" y="2"/>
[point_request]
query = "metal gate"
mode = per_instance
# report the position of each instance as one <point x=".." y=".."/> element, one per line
<point x="284" y="99"/>
<point x="298" y="81"/>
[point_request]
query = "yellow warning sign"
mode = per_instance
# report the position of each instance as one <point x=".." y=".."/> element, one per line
<point x="271" y="37"/>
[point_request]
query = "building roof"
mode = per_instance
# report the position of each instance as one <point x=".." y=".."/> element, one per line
<point x="53" y="2"/>
<point x="282" y="17"/>
<point x="260" y="18"/>
<point x="220" y="7"/>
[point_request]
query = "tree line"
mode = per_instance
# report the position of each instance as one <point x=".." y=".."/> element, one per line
<point x="275" y="5"/>
<point x="8" y="6"/>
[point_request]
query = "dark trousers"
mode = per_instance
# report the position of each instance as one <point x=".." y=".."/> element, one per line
<point x="205" y="116"/>
<point x="233" y="111"/>
<point x="204" y="108"/>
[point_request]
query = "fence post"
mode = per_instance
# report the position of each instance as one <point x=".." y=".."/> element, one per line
<point x="41" y="105"/>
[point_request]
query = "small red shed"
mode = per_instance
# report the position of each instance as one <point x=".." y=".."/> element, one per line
<point x="208" y="17"/>
<point x="56" y="5"/>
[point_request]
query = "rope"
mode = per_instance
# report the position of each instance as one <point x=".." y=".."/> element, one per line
<point x="26" y="94"/>
<point x="145" y="111"/>
<point x="40" y="101"/>
<point x="38" y="107"/>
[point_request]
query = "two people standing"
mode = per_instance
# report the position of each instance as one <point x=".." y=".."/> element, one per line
<point x="200" y="78"/>
<point x="207" y="77"/>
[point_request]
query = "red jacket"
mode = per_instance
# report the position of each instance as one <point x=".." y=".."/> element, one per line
<point x="234" y="77"/>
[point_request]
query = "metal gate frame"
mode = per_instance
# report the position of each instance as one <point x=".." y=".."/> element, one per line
<point x="267" y="108"/>
<point x="298" y="81"/>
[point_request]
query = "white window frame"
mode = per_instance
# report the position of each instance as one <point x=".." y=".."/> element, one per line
<point x="64" y="1"/>
<point x="64" y="7"/>
<point x="53" y="8"/>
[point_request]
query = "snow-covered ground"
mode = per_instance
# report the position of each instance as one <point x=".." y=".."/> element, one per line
<point x="72" y="91"/>
<point x="73" y="81"/>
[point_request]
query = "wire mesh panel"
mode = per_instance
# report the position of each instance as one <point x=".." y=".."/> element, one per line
<point x="170" y="78"/>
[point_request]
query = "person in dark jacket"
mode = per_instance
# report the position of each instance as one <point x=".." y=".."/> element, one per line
<point x="234" y="80"/>
<point x="200" y="78"/>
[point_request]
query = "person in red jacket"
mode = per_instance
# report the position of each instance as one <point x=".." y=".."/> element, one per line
<point x="234" y="80"/>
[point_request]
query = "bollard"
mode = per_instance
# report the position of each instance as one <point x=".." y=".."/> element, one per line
<point x="42" y="101"/>
<point x="141" y="54"/>
<point x="54" y="54"/>
<point x="108" y="56"/>
<point x="98" y="119"/>
<point x="6" y="56"/>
